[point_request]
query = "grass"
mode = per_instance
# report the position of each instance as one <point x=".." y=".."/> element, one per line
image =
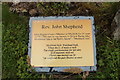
<point x="0" y="42"/>
<point x="15" y="32"/>
<point x="0" y="50"/>
<point x="14" y="45"/>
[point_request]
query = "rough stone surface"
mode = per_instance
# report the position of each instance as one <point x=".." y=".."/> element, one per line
<point x="116" y="26"/>
<point x="36" y="9"/>
<point x="22" y="8"/>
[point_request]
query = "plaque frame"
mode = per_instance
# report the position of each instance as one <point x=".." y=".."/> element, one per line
<point x="60" y="69"/>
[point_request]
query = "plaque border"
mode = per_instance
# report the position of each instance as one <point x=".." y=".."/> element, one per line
<point x="60" y="69"/>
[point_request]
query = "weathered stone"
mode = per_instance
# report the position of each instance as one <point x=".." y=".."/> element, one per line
<point x="116" y="26"/>
<point x="22" y="7"/>
<point x="33" y="12"/>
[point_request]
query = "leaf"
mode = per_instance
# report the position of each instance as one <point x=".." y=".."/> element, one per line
<point x="73" y="70"/>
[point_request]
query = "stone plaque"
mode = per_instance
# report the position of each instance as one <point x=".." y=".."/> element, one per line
<point x="62" y="42"/>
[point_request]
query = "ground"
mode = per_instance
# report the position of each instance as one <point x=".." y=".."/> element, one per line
<point x="15" y="31"/>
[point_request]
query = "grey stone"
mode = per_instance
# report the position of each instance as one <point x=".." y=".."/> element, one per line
<point x="116" y="26"/>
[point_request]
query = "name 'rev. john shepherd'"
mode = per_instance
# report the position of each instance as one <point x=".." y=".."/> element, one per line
<point x="62" y="26"/>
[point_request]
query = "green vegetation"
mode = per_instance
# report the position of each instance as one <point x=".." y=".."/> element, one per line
<point x="0" y="42"/>
<point x="14" y="45"/>
<point x="15" y="30"/>
<point x="51" y="9"/>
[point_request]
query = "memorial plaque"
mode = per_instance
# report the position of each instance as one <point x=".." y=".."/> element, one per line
<point x="62" y="42"/>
